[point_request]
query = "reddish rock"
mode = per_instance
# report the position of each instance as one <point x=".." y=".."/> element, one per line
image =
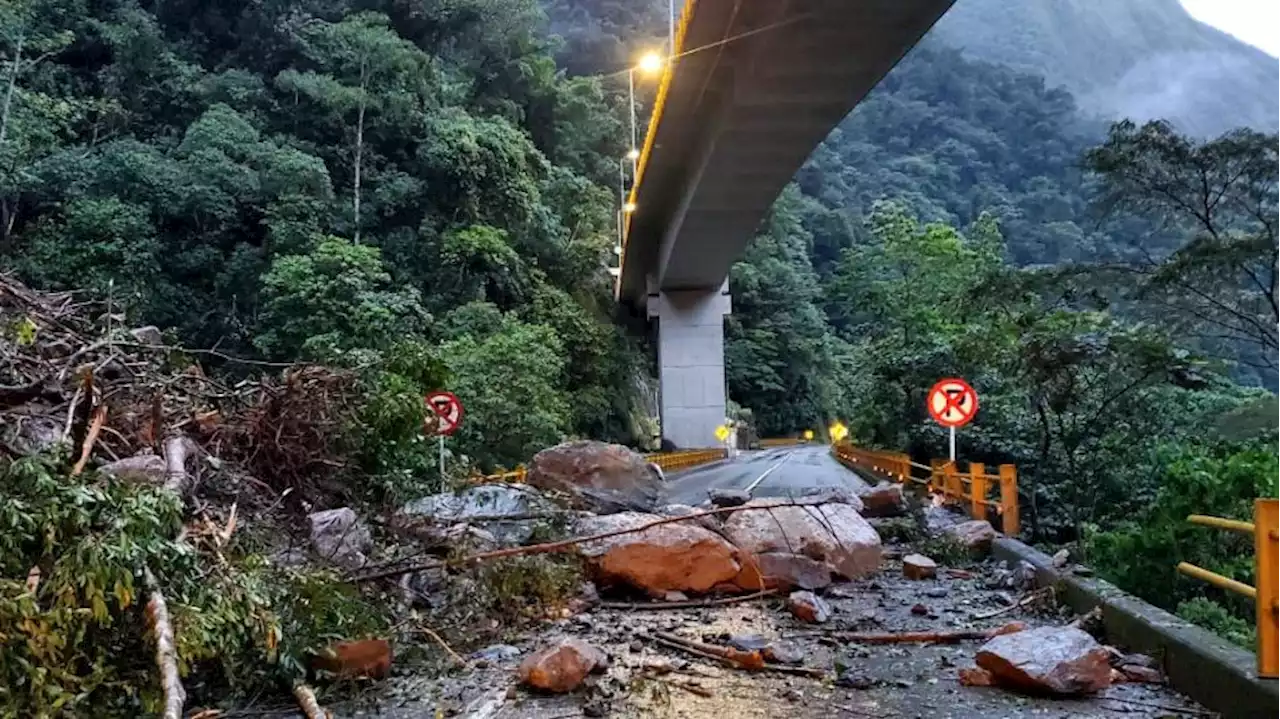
<point x="676" y="557"/>
<point x="561" y="667"/>
<point x="599" y="477"/>
<point x="976" y="677"/>
<point x="919" y="610"/>
<point x="975" y="535"/>
<point x="367" y="658"/>
<point x="1011" y="627"/>
<point x="918" y="566"/>
<point x="883" y="500"/>
<point x="1057" y="660"/>
<point x="794" y="570"/>
<point x="831" y="533"/>
<point x="809" y="607"/>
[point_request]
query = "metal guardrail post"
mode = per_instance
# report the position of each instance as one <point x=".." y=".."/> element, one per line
<point x="1010" y="521"/>
<point x="1266" y="553"/>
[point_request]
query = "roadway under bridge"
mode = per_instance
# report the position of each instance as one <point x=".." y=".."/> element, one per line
<point x="753" y="88"/>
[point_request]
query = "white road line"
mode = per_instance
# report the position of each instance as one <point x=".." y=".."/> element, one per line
<point x="751" y="487"/>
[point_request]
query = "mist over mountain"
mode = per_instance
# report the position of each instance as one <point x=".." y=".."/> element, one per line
<point x="1141" y="59"/>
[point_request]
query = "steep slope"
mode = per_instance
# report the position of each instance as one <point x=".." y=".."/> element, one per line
<point x="1126" y="58"/>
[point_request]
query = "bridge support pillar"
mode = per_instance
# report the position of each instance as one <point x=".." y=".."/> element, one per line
<point x="691" y="363"/>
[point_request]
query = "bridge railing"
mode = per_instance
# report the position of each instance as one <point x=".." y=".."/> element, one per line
<point x="668" y="461"/>
<point x="780" y="442"/>
<point x="972" y="488"/>
<point x="1266" y="554"/>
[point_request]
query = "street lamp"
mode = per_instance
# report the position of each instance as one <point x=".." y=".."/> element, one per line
<point x="650" y="64"/>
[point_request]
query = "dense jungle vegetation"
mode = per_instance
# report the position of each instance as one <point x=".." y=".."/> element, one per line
<point x="424" y="191"/>
<point x="1109" y="290"/>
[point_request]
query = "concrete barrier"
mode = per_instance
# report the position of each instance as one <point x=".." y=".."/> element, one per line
<point x="1200" y="664"/>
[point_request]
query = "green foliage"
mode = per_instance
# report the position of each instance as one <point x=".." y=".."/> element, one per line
<point x="511" y="381"/>
<point x="1217" y="619"/>
<point x="1219" y="479"/>
<point x="337" y="297"/>
<point x="77" y="644"/>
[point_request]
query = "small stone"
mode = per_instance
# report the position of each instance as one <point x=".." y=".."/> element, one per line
<point x="149" y="335"/>
<point x="561" y="667"/>
<point x="496" y="653"/>
<point x="919" y="610"/>
<point x="636" y="646"/>
<point x="918" y="566"/>
<point x="674" y="596"/>
<point x="903" y="683"/>
<point x="1141" y="660"/>
<point x="790" y="694"/>
<point x="1060" y="557"/>
<point x="809" y="607"/>
<point x="854" y="680"/>
<point x="975" y="677"/>
<point x="748" y="642"/>
<point x="936" y="592"/>
<point x="783" y="654"/>
<point x="729" y="497"/>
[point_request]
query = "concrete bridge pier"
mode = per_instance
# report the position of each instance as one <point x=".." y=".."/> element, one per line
<point x="691" y="363"/>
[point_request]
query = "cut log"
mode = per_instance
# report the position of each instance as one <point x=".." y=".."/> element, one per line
<point x="176" y="478"/>
<point x="166" y="650"/>
<point x="307" y="702"/>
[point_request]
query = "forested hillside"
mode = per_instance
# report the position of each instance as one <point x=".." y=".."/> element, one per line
<point x="326" y="180"/>
<point x="1107" y="290"/>
<point x="1142" y="59"/>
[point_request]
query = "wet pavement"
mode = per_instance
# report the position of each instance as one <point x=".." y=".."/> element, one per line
<point x="779" y="472"/>
<point x="895" y="680"/>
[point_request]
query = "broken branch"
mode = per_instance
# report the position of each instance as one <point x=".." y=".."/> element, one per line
<point x="166" y="651"/>
<point x="95" y="427"/>
<point x="690" y="604"/>
<point x="308" y="703"/>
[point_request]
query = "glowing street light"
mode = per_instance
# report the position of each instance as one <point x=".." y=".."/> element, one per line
<point x="633" y="154"/>
<point x="629" y="207"/>
<point x="650" y="63"/>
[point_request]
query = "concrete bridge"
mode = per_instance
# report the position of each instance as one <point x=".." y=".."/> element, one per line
<point x="754" y="87"/>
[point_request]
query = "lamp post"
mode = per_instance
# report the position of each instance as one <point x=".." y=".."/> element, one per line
<point x="650" y="64"/>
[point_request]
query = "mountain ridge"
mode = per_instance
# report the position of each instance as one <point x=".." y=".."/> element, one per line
<point x="1139" y="58"/>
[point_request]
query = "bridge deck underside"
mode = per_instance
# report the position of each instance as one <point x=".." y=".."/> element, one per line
<point x="761" y="85"/>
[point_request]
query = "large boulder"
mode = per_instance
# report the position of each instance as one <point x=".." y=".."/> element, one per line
<point x="1057" y="660"/>
<point x="339" y="536"/>
<point x="831" y="533"/>
<point x="793" y="570"/>
<point x="599" y="477"/>
<point x="487" y="506"/>
<point x="975" y="535"/>
<point x="679" y="556"/>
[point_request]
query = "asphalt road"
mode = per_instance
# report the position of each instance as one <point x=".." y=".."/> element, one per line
<point x="779" y="472"/>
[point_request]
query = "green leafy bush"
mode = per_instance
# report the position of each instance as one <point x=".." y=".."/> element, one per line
<point x="73" y="634"/>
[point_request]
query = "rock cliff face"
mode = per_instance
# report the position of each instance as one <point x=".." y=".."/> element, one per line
<point x="1142" y="59"/>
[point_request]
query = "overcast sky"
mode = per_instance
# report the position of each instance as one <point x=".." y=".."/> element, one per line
<point x="1257" y="22"/>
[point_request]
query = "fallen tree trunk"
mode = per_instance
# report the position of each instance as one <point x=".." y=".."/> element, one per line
<point x="307" y="702"/>
<point x="166" y="650"/>
<point x="549" y="547"/>
<point x="176" y="478"/>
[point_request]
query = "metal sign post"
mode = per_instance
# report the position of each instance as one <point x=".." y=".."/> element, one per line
<point x="952" y="403"/>
<point x="447" y="411"/>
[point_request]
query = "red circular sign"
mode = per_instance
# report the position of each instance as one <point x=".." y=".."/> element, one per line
<point x="952" y="402"/>
<point x="447" y="409"/>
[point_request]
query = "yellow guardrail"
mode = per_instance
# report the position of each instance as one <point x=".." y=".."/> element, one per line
<point x="1266" y="553"/>
<point x="668" y="461"/>
<point x="972" y="486"/>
